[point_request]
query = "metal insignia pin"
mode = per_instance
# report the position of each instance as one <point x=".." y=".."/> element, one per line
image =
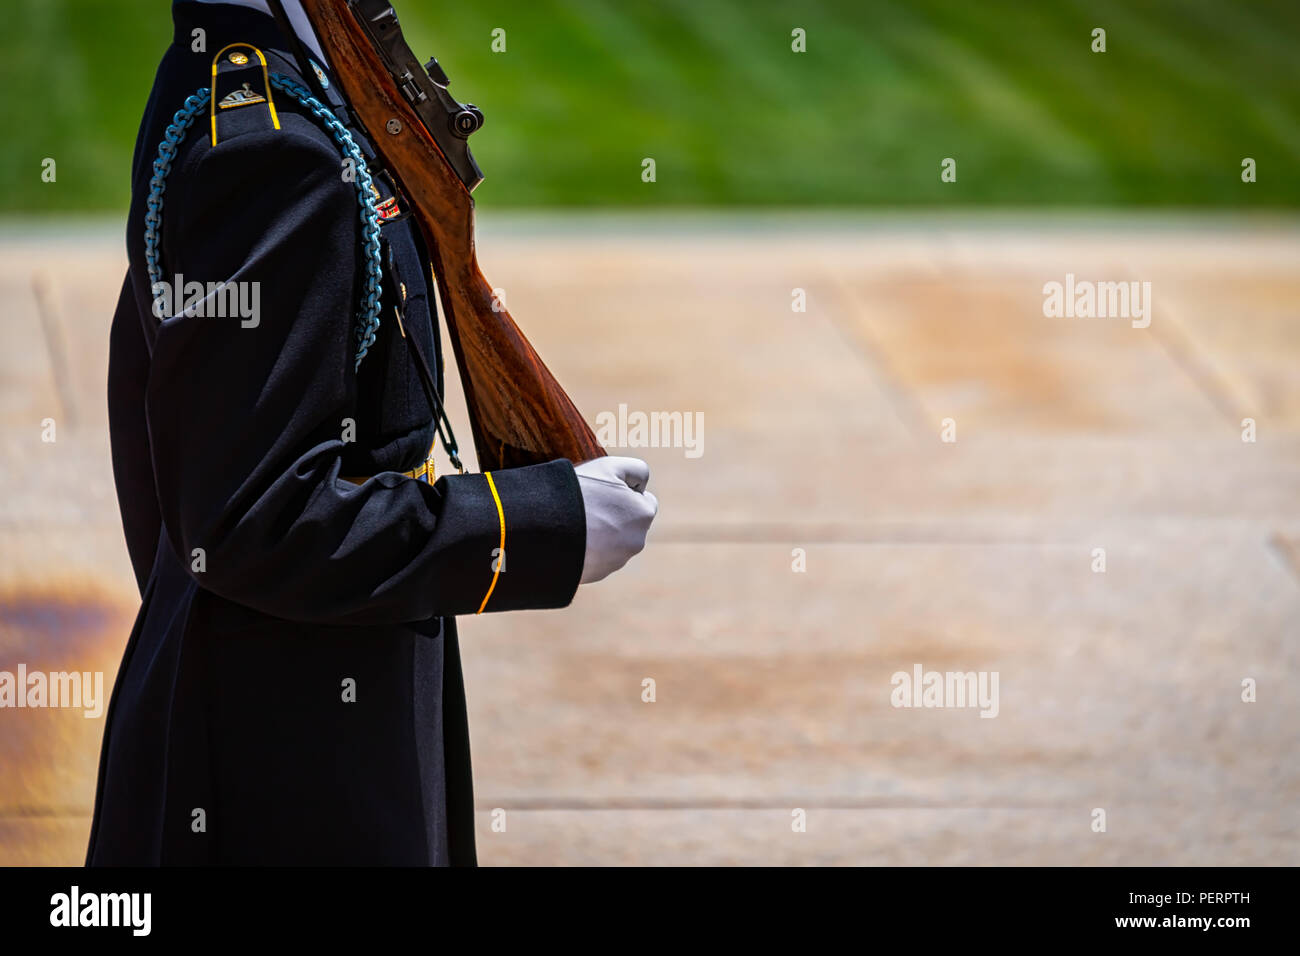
<point x="320" y="75"/>
<point x="244" y="97"/>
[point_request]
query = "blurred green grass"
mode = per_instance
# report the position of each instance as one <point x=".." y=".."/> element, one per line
<point x="712" y="91"/>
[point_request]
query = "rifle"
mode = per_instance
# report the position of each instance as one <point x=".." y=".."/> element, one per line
<point x="518" y="413"/>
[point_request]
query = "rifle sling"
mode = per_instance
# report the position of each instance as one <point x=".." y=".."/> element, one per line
<point x="442" y="421"/>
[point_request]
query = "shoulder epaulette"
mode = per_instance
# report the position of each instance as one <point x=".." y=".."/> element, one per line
<point x="240" y="79"/>
<point x="237" y="81"/>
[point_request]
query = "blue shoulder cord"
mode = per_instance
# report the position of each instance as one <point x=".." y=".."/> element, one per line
<point x="368" y="315"/>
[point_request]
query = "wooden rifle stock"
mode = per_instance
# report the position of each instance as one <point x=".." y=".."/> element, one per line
<point x="518" y="412"/>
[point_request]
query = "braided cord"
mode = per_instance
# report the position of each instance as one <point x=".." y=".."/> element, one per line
<point x="172" y="137"/>
<point x="372" y="287"/>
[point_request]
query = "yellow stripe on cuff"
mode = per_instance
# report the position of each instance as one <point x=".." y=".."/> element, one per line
<point x="501" y="553"/>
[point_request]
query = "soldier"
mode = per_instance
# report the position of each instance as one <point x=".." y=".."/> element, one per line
<point x="291" y="692"/>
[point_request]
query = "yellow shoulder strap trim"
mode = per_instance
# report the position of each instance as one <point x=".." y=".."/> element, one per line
<point x="266" y="82"/>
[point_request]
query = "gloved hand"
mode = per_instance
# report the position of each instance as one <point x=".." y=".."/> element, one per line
<point x="619" y="512"/>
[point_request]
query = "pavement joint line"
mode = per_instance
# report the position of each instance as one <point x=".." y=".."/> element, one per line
<point x="1180" y="347"/>
<point x="905" y="405"/>
<point x="630" y="804"/>
<point x="55" y="349"/>
<point x="793" y="536"/>
<point x="1287" y="552"/>
<point x="786" y="534"/>
<point x="543" y="805"/>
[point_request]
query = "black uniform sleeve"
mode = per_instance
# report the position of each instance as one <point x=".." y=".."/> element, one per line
<point x="248" y="417"/>
<point x="128" y="372"/>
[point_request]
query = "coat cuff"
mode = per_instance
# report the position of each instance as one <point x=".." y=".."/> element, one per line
<point x="545" y="536"/>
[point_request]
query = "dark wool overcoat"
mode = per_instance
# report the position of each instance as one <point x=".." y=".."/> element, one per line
<point x="291" y="692"/>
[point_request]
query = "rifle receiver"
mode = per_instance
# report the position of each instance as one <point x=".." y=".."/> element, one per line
<point x="449" y="122"/>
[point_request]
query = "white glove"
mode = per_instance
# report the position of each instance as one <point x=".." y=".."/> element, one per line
<point x="619" y="512"/>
